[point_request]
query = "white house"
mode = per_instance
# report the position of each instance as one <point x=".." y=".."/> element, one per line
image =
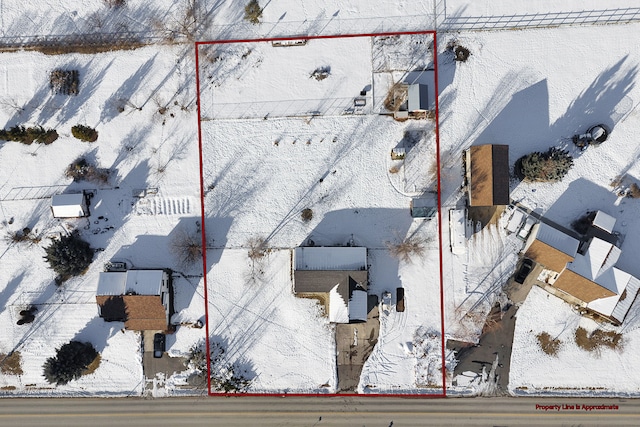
<point x="69" y="205"/>
<point x="139" y="298"/>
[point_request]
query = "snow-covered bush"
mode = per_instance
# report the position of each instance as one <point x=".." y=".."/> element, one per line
<point x="84" y="133"/>
<point x="321" y="73"/>
<point x="69" y="256"/>
<point x="72" y="360"/>
<point x="253" y="12"/>
<point x="81" y="170"/>
<point x="550" y="166"/>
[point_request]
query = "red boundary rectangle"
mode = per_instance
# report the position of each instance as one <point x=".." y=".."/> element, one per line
<point x="439" y="214"/>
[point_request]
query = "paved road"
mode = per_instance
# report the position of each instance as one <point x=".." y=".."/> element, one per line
<point x="314" y="411"/>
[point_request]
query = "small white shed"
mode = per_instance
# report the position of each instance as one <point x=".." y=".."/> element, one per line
<point x="69" y="205"/>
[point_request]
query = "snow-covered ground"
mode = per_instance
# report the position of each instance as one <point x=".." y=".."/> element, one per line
<point x="143" y="149"/>
<point x="534" y="89"/>
<point x="531" y="89"/>
<point x="573" y="370"/>
<point x="261" y="173"/>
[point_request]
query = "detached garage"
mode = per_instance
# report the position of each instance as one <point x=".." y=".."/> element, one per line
<point x="69" y="205"/>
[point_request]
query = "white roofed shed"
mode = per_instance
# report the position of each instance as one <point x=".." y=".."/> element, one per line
<point x="69" y="205"/>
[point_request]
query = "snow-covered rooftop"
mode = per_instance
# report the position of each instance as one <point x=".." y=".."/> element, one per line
<point x="331" y="258"/>
<point x="557" y="239"/>
<point x="358" y="306"/>
<point x="144" y="282"/>
<point x="68" y="205"/>
<point x="604" y="221"/>
<point x="599" y="257"/>
<point x="616" y="281"/>
<point x="112" y="283"/>
<point x="140" y="282"/>
<point x="338" y="309"/>
<point x="624" y="304"/>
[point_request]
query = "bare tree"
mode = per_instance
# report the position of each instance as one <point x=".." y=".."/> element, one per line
<point x="408" y="248"/>
<point x="187" y="246"/>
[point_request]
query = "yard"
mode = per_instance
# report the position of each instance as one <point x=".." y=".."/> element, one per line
<point x="148" y="199"/>
<point x="537" y="102"/>
<point x="261" y="174"/>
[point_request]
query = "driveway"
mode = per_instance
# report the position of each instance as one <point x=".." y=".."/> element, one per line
<point x="354" y="344"/>
<point x="497" y="336"/>
<point x="165" y="365"/>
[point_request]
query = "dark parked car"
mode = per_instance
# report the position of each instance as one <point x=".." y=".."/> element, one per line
<point x="524" y="270"/>
<point x="159" y="343"/>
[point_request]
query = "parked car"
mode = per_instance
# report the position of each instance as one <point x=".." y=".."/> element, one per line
<point x="524" y="270"/>
<point x="159" y="342"/>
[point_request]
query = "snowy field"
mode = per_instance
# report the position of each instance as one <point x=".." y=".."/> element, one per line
<point x="260" y="175"/>
<point x="144" y="150"/>
<point x="282" y="75"/>
<point x="531" y="89"/>
<point x="537" y="99"/>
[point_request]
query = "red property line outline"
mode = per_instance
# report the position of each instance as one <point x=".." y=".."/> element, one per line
<point x="439" y="215"/>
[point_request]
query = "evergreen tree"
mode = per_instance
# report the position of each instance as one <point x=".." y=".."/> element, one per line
<point x="84" y="133"/>
<point x="550" y="166"/>
<point x="71" y="360"/>
<point x="29" y="135"/>
<point x="69" y="256"/>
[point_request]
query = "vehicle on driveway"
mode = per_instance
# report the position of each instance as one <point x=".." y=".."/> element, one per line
<point x="159" y="343"/>
<point x="524" y="270"/>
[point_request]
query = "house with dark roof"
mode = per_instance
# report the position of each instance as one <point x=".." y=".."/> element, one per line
<point x="142" y="299"/>
<point x="584" y="273"/>
<point x="338" y="276"/>
<point x="487" y="173"/>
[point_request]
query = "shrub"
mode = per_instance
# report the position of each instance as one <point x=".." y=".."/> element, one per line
<point x="597" y="339"/>
<point x="550" y="166"/>
<point x="549" y="345"/>
<point x="81" y="170"/>
<point x="253" y="12"/>
<point x="225" y="376"/>
<point x="69" y="256"/>
<point x="321" y="73"/>
<point x="460" y="53"/>
<point x="29" y="135"/>
<point x="307" y="215"/>
<point x="11" y="364"/>
<point x="115" y="3"/>
<point x="64" y="82"/>
<point x="257" y="248"/>
<point x="84" y="133"/>
<point x="70" y="363"/>
<point x="634" y="191"/>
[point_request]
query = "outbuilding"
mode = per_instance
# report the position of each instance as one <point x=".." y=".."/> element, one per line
<point x="73" y="205"/>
